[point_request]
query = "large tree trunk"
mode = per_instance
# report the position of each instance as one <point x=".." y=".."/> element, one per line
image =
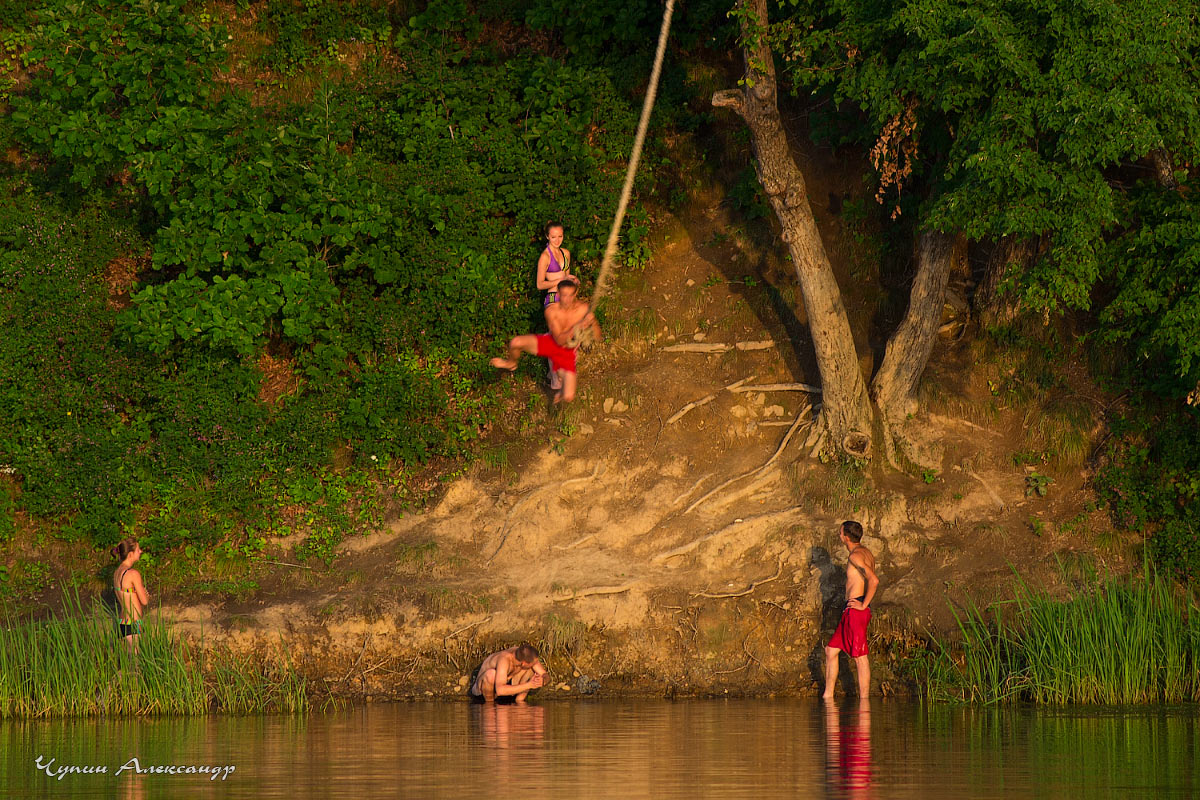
<point x="1164" y="170"/>
<point x="895" y="385"/>
<point x="846" y="408"/>
<point x="991" y="306"/>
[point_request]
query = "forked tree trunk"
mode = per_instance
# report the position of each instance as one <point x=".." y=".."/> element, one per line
<point x="895" y="385"/>
<point x="846" y="408"/>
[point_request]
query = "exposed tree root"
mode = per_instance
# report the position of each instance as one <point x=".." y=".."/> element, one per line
<point x="753" y="585"/>
<point x="779" y="387"/>
<point x="691" y="489"/>
<point x="710" y="348"/>
<point x="694" y="404"/>
<point x="787" y="438"/>
<point x="594" y="590"/>
<point x="684" y="549"/>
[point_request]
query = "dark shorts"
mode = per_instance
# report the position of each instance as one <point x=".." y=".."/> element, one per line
<point x="561" y="358"/>
<point x="129" y="628"/>
<point x="471" y="694"/>
<point x="851" y="634"/>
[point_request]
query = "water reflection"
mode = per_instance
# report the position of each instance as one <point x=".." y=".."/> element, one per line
<point x="629" y="749"/>
<point x="848" y="750"/>
<point x="502" y="726"/>
<point x="501" y="729"/>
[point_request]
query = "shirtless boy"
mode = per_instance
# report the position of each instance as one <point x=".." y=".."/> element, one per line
<point x="564" y="317"/>
<point x="510" y="673"/>
<point x="851" y="633"/>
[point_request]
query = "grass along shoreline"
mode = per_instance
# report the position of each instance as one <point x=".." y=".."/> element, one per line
<point x="1128" y="640"/>
<point x="72" y="664"/>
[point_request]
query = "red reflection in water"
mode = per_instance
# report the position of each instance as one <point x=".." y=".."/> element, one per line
<point x="848" y="751"/>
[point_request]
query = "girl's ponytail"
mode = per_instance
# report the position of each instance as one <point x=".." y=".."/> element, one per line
<point x="124" y="548"/>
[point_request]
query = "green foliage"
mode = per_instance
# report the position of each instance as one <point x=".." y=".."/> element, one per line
<point x="1156" y="308"/>
<point x="373" y="240"/>
<point x="1017" y="119"/>
<point x="8" y="508"/>
<point x="1151" y="482"/>
<point x="114" y="79"/>
<point x="624" y="32"/>
<point x="747" y="195"/>
<point x="21" y="583"/>
<point x="300" y="29"/>
<point x="95" y="429"/>
<point x="62" y="390"/>
<point x="272" y="227"/>
<point x="1037" y="484"/>
<point x="1128" y="641"/>
<point x="73" y="664"/>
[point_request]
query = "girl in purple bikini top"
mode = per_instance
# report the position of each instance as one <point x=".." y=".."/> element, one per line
<point x="553" y="231"/>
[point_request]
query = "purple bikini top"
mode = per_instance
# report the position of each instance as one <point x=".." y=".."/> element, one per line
<point x="554" y="267"/>
<point x="551" y="296"/>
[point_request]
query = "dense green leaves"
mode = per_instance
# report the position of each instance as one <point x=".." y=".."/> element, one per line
<point x="373" y="239"/>
<point x="1019" y="111"/>
<point x="1156" y="275"/>
<point x="1059" y="124"/>
<point x="107" y="71"/>
<point x="433" y="186"/>
<point x="1151" y="480"/>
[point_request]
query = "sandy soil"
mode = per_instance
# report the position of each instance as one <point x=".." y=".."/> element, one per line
<point x="670" y="531"/>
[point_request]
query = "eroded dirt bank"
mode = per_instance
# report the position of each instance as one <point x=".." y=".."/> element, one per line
<point x="671" y="532"/>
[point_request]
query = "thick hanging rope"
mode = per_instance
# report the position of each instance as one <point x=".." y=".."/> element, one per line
<point x="584" y="335"/>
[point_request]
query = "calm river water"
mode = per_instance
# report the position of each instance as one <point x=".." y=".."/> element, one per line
<point x="610" y="749"/>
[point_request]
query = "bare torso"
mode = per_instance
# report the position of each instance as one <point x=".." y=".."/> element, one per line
<point x="856" y="577"/>
<point x="125" y="583"/>
<point x="491" y="662"/>
<point x="561" y="318"/>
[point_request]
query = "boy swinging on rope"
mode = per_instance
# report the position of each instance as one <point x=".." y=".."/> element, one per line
<point x="567" y="318"/>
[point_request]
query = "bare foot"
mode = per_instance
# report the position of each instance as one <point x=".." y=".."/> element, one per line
<point x="503" y="363"/>
<point x="557" y="397"/>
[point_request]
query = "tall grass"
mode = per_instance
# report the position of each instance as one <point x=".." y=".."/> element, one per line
<point x="73" y="664"/>
<point x="1128" y="641"/>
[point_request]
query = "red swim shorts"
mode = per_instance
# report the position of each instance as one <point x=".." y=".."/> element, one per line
<point x="560" y="357"/>
<point x="851" y="634"/>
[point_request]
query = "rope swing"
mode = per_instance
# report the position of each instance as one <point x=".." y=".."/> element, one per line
<point x="584" y="336"/>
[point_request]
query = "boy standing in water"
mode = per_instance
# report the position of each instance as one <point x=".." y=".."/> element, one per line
<point x="851" y="633"/>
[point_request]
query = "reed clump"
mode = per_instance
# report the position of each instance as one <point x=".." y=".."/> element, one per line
<point x="73" y="664"/>
<point x="1130" y="640"/>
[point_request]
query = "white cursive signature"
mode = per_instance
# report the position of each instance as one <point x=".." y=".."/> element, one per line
<point x="132" y="765"/>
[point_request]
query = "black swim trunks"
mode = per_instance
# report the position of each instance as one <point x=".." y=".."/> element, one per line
<point x="471" y="693"/>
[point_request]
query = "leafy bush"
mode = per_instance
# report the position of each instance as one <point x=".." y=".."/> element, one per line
<point x="113" y="77"/>
<point x="301" y="28"/>
<point x="1155" y="310"/>
<point x="1151" y="480"/>
<point x="374" y="240"/>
